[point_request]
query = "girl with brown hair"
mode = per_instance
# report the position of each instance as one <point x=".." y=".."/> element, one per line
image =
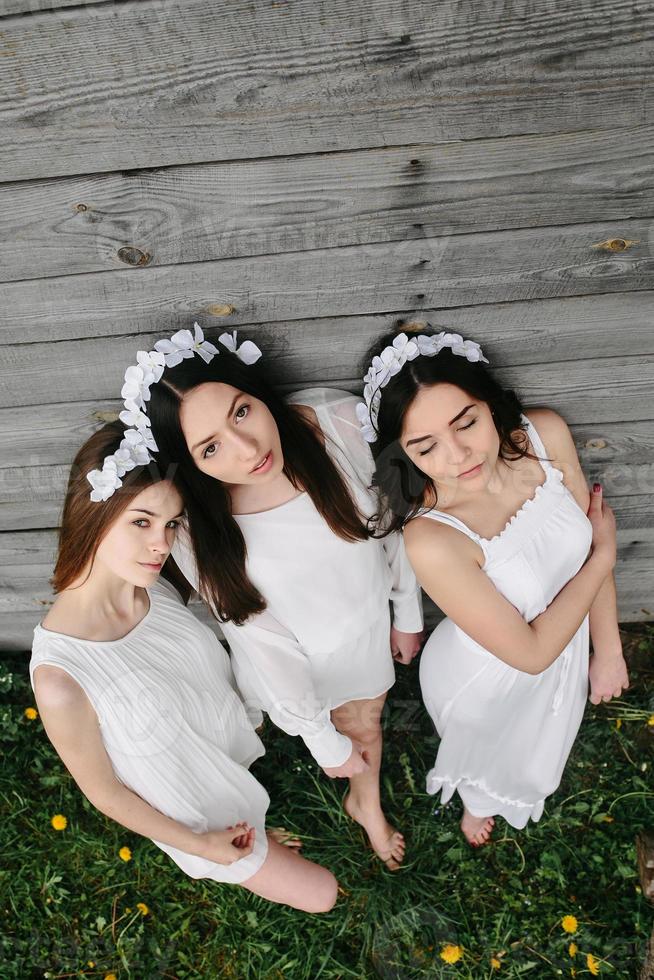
<point x="137" y="696"/>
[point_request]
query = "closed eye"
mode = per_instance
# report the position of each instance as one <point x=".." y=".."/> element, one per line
<point x="468" y="426"/>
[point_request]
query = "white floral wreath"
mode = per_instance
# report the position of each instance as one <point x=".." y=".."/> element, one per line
<point x="393" y="358"/>
<point x="138" y="444"/>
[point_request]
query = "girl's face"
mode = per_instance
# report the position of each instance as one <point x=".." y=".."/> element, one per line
<point x="451" y="437"/>
<point x="139" y="541"/>
<point x="231" y="436"/>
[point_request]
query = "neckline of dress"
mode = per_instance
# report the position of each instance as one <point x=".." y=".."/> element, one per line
<point x="104" y="643"/>
<point x="272" y="510"/>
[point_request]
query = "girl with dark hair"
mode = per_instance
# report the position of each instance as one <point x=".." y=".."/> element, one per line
<point x="137" y="696"/>
<point x="494" y="506"/>
<point x="276" y="541"/>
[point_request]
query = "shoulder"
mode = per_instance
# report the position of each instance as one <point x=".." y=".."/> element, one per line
<point x="426" y="540"/>
<point x="56" y="690"/>
<point x="554" y="433"/>
<point x="61" y="616"/>
<point x="561" y="450"/>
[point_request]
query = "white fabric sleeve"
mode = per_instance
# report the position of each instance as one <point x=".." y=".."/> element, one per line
<point x="271" y="667"/>
<point x="406" y="595"/>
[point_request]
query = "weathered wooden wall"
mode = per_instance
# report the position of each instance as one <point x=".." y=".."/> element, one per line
<point x="311" y="173"/>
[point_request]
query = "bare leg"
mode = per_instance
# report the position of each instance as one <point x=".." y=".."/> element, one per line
<point x="289" y="879"/>
<point x="477" y="830"/>
<point x="361" y="721"/>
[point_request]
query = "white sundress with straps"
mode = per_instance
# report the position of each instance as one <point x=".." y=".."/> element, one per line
<point x="506" y="734"/>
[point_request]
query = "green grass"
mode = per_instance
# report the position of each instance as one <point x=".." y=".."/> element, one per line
<point x="67" y="898"/>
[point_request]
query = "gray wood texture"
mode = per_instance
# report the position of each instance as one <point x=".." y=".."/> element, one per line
<point x="110" y="87"/>
<point x="314" y="174"/>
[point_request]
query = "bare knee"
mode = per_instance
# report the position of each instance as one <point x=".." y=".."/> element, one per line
<point x="326" y="894"/>
<point x="367" y="736"/>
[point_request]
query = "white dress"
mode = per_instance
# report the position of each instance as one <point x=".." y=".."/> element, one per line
<point x="324" y="638"/>
<point x="506" y="734"/>
<point x="176" y="732"/>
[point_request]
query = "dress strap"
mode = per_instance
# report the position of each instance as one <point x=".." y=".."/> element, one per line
<point x="443" y="518"/>
<point x="537" y="444"/>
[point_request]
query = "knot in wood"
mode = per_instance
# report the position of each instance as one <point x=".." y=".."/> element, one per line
<point x="131" y="255"/>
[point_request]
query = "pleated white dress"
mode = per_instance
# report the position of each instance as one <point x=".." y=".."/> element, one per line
<point x="506" y="734"/>
<point x="173" y="726"/>
<point x="324" y="638"/>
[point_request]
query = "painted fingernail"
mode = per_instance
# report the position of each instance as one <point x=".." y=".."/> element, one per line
<point x="597" y="487"/>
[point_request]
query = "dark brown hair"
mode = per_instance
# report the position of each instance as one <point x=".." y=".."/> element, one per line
<point x="217" y="540"/>
<point x="85" y="522"/>
<point x="401" y="484"/>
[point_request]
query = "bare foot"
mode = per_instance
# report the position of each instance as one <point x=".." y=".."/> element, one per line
<point x="283" y="836"/>
<point x="385" y="840"/>
<point x="477" y="830"/>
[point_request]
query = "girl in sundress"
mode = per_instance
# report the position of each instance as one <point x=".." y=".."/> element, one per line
<point x="276" y="541"/>
<point x="137" y="696"/>
<point x="495" y="512"/>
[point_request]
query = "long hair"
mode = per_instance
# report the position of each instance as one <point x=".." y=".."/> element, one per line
<point x="217" y="540"/>
<point x="85" y="522"/>
<point x="402" y="486"/>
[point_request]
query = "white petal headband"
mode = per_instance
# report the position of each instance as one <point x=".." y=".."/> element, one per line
<point x="138" y="444"/>
<point x="392" y="359"/>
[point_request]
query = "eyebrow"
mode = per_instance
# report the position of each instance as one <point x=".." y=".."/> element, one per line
<point x="209" y="438"/>
<point x="151" y="513"/>
<point x="455" y="419"/>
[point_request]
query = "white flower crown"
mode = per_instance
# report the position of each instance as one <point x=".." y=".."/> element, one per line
<point x="392" y="359"/>
<point x="138" y="444"/>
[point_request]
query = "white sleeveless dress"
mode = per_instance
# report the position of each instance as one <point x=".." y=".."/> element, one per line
<point x="506" y="734"/>
<point x="174" y="728"/>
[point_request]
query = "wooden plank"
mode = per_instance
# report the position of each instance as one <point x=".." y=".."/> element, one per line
<point x="309" y="351"/>
<point x="25" y="596"/>
<point x="99" y="88"/>
<point x="38" y="548"/>
<point x="11" y="8"/>
<point x="409" y="276"/>
<point x="32" y="497"/>
<point x="76" y="225"/>
<point x="593" y="393"/>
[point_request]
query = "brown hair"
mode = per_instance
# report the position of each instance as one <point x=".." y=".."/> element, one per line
<point x="217" y="540"/>
<point x="85" y="522"/>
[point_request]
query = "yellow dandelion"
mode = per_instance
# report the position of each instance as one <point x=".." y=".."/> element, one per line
<point x="569" y="923"/>
<point x="90" y="963"/>
<point x="451" y="954"/>
<point x="31" y="714"/>
<point x="650" y="720"/>
<point x="495" y="963"/>
<point x="593" y="964"/>
<point x="59" y="821"/>
<point x="142" y="907"/>
<point x="618" y="724"/>
<point x="572" y="949"/>
<point x="110" y="976"/>
<point x="125" y="854"/>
